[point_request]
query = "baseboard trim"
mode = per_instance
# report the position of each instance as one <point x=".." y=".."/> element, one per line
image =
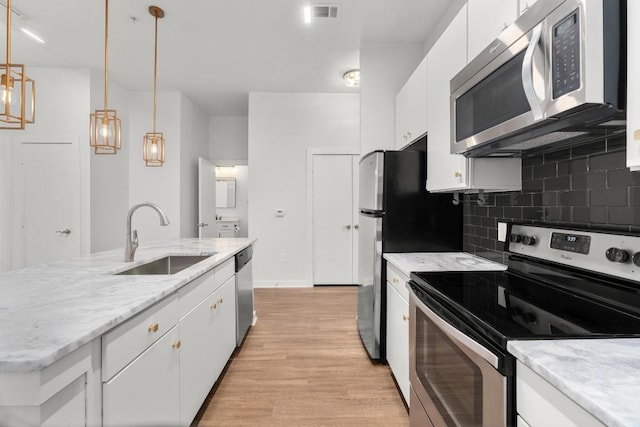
<point x="280" y="284"/>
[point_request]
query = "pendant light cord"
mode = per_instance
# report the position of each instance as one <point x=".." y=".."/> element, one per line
<point x="155" y="74"/>
<point x="8" y="38"/>
<point x="106" y="48"/>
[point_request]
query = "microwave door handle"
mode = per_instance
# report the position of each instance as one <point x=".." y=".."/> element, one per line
<point x="527" y="74"/>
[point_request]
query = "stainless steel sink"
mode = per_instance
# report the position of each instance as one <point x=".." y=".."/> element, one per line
<point x="171" y="264"/>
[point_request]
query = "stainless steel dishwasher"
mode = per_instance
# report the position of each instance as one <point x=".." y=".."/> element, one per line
<point x="244" y="291"/>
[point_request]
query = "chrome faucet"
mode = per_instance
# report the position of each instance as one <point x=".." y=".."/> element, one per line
<point x="132" y="238"/>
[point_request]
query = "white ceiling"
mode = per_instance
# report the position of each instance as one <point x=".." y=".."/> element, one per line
<point x="216" y="52"/>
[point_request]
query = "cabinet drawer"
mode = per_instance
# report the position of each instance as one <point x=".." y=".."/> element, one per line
<point x="125" y="342"/>
<point x="398" y="281"/>
<point x="225" y="226"/>
<point x="192" y="294"/>
<point x="224" y="271"/>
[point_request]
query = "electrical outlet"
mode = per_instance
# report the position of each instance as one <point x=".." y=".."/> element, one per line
<point x="502" y="232"/>
<point x="283" y="257"/>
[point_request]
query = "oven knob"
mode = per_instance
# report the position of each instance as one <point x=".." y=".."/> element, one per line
<point x="528" y="240"/>
<point x="617" y="255"/>
<point x="636" y="259"/>
<point x="515" y="238"/>
<point x="529" y="318"/>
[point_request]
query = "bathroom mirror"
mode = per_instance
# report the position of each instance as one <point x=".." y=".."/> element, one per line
<point x="225" y="192"/>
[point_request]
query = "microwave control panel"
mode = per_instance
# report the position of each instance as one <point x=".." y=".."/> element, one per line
<point x="566" y="55"/>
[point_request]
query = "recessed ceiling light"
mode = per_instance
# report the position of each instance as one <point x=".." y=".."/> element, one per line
<point x="32" y="35"/>
<point x="352" y="78"/>
<point x="307" y="14"/>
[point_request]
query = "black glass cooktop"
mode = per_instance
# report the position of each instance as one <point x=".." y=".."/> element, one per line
<point x="542" y="303"/>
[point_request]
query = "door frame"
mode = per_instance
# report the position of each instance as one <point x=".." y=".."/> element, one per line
<point x="309" y="184"/>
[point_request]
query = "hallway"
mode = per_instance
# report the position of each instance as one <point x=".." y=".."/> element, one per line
<point x="303" y="364"/>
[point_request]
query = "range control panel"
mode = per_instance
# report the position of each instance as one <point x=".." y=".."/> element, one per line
<point x="609" y="253"/>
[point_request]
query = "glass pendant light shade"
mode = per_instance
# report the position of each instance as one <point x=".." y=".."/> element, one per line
<point x="105" y="131"/>
<point x="153" y="149"/>
<point x="104" y="125"/>
<point x="17" y="91"/>
<point x="153" y="142"/>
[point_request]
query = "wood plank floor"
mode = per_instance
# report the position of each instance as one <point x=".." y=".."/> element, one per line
<point x="302" y="364"/>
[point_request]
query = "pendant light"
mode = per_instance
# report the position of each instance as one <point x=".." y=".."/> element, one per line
<point x="104" y="126"/>
<point x="153" y="142"/>
<point x="18" y="91"/>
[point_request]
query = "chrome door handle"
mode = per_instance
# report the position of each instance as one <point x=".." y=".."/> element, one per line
<point x="202" y="224"/>
<point x="65" y="231"/>
<point x="348" y="227"/>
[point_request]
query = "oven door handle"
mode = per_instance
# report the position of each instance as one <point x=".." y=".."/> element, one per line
<point x="455" y="334"/>
<point x="527" y="74"/>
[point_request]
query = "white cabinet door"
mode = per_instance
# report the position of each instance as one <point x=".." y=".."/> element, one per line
<point x="524" y="5"/>
<point x="487" y="19"/>
<point x="225" y="324"/>
<point x="445" y="59"/>
<point x="454" y="172"/>
<point x="633" y="87"/>
<point x="398" y="339"/>
<point x="197" y="370"/>
<point x="411" y="107"/>
<point x="146" y="392"/>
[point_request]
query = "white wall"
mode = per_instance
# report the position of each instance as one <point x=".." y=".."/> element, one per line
<point x="160" y="185"/>
<point x="110" y="173"/>
<point x="385" y="67"/>
<point x="282" y="126"/>
<point x="228" y="138"/>
<point x="62" y="106"/>
<point x="194" y="143"/>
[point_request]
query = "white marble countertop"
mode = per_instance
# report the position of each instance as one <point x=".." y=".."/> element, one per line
<point x="47" y="311"/>
<point x="440" y="261"/>
<point x="601" y="375"/>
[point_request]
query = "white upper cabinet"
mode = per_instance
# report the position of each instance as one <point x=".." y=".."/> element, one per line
<point x="524" y="5"/>
<point x="411" y="108"/>
<point x="453" y="172"/>
<point x="445" y="59"/>
<point x="633" y="87"/>
<point x="487" y="19"/>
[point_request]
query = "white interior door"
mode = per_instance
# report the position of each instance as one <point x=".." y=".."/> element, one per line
<point x="47" y="207"/>
<point x="333" y="226"/>
<point x="207" y="226"/>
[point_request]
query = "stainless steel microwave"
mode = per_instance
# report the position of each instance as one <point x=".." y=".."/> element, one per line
<point x="557" y="75"/>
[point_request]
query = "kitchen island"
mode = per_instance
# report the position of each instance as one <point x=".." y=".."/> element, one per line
<point x="54" y="318"/>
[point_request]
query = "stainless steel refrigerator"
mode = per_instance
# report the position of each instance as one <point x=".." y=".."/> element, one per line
<point x="396" y="214"/>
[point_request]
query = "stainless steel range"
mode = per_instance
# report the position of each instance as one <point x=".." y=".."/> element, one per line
<point x="561" y="283"/>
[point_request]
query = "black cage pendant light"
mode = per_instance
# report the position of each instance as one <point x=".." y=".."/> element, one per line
<point x="153" y="142"/>
<point x="105" y="126"/>
<point x="18" y="92"/>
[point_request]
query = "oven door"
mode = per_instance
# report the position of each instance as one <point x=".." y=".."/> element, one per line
<point x="455" y="379"/>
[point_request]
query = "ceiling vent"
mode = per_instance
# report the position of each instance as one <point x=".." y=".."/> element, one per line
<point x="325" y="11"/>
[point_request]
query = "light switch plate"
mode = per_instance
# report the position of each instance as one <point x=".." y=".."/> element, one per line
<point x="502" y="231"/>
